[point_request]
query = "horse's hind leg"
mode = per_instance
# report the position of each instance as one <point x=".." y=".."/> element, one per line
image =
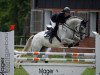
<point x="45" y="49"/>
<point x="46" y="55"/>
<point x="36" y="48"/>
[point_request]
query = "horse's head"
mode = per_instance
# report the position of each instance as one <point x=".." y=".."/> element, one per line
<point x="78" y="26"/>
<point x="82" y="29"/>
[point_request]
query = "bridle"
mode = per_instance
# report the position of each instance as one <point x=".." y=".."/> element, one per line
<point x="75" y="31"/>
<point x="80" y="31"/>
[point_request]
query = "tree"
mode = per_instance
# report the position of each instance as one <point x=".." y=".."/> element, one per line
<point x="13" y="12"/>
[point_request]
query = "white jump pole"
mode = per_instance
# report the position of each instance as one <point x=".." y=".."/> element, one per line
<point x="97" y="51"/>
<point x="56" y="53"/>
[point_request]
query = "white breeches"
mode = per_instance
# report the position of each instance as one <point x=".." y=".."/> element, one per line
<point x="53" y="24"/>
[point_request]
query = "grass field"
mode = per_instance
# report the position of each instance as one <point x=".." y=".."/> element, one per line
<point x="89" y="71"/>
<point x="20" y="71"/>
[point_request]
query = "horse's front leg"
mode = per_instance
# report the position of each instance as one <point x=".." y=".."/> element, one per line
<point x="69" y="42"/>
<point x="76" y="38"/>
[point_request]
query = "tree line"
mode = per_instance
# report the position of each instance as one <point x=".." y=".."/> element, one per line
<point x="14" y="12"/>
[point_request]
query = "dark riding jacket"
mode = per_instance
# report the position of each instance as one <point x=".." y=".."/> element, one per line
<point x="59" y="18"/>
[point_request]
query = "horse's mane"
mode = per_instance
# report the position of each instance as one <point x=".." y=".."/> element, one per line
<point x="72" y="17"/>
<point x="71" y="22"/>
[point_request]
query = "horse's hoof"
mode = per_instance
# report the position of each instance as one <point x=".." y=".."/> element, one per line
<point x="77" y="44"/>
<point x="70" y="45"/>
<point x="46" y="61"/>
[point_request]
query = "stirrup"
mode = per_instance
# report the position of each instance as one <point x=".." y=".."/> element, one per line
<point x="46" y="36"/>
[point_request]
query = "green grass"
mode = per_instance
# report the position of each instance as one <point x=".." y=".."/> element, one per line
<point x="89" y="71"/>
<point x="55" y="56"/>
<point x="18" y="48"/>
<point x="20" y="71"/>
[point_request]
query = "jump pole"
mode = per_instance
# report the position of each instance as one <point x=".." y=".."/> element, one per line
<point x="56" y="53"/>
<point x="97" y="51"/>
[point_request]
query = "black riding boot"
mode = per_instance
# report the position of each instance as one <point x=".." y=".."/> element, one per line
<point x="51" y="33"/>
<point x="54" y="32"/>
<point x="50" y="39"/>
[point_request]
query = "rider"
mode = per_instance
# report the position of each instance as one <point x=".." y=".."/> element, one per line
<point x="56" y="19"/>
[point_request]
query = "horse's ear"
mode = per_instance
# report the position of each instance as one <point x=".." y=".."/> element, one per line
<point x="84" y="22"/>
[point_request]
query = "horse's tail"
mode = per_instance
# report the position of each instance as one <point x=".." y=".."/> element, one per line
<point x="28" y="43"/>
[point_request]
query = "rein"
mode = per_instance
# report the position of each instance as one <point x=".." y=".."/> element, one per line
<point x="74" y="31"/>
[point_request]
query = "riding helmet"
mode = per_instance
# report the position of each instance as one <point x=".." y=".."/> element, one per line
<point x="66" y="9"/>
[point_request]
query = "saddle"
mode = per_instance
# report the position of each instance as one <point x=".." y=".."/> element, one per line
<point x="50" y="33"/>
<point x="48" y="27"/>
